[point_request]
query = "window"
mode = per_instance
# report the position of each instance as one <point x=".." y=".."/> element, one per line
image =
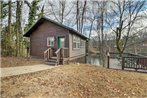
<point x="76" y="42"/>
<point x="82" y="43"/>
<point x="50" y="41"/>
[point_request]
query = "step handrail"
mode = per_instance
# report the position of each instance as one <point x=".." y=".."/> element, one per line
<point x="60" y="55"/>
<point x="47" y="54"/>
<point x="58" y="51"/>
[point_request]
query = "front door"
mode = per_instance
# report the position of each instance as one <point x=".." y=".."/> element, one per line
<point x="61" y="42"/>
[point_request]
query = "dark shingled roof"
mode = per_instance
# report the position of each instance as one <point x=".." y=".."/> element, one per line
<point x="42" y="19"/>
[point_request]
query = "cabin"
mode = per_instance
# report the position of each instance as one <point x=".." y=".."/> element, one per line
<point x="56" y="43"/>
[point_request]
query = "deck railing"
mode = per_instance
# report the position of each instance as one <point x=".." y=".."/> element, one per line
<point x="116" y="55"/>
<point x="129" y="60"/>
<point x="135" y="62"/>
<point x="65" y="52"/>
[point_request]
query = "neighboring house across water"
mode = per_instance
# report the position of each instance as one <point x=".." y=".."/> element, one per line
<point x="139" y="46"/>
<point x="56" y="43"/>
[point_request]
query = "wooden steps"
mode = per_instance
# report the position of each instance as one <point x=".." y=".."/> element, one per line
<point x="55" y="58"/>
<point x="52" y="61"/>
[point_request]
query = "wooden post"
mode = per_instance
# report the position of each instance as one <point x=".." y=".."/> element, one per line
<point x="108" y="60"/>
<point x="62" y="55"/>
<point x="48" y="53"/>
<point x="123" y="63"/>
<point x="28" y="53"/>
<point x="44" y="56"/>
<point x="63" y="52"/>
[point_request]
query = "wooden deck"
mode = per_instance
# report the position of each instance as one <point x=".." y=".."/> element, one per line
<point x="130" y="61"/>
<point x="134" y="62"/>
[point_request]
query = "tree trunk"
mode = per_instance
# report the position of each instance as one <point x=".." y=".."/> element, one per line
<point x="77" y="15"/>
<point x="84" y="9"/>
<point x="103" y="50"/>
<point x="8" y="49"/>
<point x="18" y="29"/>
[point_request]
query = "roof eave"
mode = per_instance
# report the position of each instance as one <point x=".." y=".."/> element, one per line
<point x="28" y="33"/>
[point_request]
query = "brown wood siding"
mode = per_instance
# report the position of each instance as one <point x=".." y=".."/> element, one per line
<point x="38" y="39"/>
<point x="75" y="52"/>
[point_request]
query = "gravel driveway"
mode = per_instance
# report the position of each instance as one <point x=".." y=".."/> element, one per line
<point x="10" y="71"/>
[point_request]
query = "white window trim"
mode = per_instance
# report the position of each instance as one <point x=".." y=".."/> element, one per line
<point x="48" y="41"/>
<point x="83" y="41"/>
<point x="77" y="42"/>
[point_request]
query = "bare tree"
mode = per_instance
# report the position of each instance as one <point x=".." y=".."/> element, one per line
<point x="82" y="17"/>
<point x="135" y="40"/>
<point x="80" y="14"/>
<point x="77" y="14"/>
<point x="59" y="10"/>
<point x="125" y="14"/>
<point x="100" y="29"/>
<point x="62" y="7"/>
<point x="92" y="17"/>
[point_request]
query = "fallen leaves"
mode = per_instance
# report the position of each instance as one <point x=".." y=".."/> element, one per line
<point x="18" y="61"/>
<point x="75" y="81"/>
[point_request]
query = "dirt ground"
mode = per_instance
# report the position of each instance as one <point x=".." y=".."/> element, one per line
<point x="76" y="81"/>
<point x="18" y="61"/>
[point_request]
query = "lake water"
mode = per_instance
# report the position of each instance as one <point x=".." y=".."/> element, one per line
<point x="114" y="63"/>
<point x="93" y="60"/>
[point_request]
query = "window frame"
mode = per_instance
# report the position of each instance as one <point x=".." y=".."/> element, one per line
<point x="77" y="41"/>
<point x="49" y="44"/>
<point x="83" y="43"/>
